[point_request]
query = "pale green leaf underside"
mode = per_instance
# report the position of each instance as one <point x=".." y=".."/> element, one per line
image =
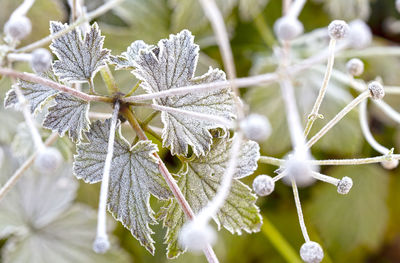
<point x="199" y="181"/>
<point x="79" y="59"/>
<point x="68" y="114"/>
<point x="134" y="175"/>
<point x="172" y="65"/>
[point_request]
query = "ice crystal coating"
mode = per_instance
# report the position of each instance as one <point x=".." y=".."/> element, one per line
<point x="195" y="236"/>
<point x="311" y="252"/>
<point x="338" y="29"/>
<point x="344" y="185"/>
<point x="18" y="27"/>
<point x="35" y="94"/>
<point x="263" y="185"/>
<point x="360" y="35"/>
<point x="390" y="165"/>
<point x="79" y="59"/>
<point x="355" y="67"/>
<point x="287" y="28"/>
<point x="134" y="175"/>
<point x="376" y="90"/>
<point x="68" y="114"/>
<point x="127" y="59"/>
<point x="199" y="180"/>
<point x="41" y="60"/>
<point x="48" y="160"/>
<point x="256" y="127"/>
<point x="101" y="245"/>
<point x="172" y="65"/>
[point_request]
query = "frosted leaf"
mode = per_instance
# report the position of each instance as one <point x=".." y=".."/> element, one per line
<point x="36" y="94"/>
<point x="172" y="65"/>
<point x="69" y="114"/>
<point x="199" y="181"/>
<point x="79" y="59"/>
<point x="133" y="176"/>
<point x="126" y="59"/>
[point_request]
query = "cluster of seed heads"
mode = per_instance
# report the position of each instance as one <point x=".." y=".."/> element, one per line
<point x="344" y="185"/>
<point x="311" y="252"/>
<point x="18" y="27"/>
<point x="355" y="67"/>
<point x="338" y="29"/>
<point x="256" y="127"/>
<point x="263" y="185"/>
<point x="376" y="90"/>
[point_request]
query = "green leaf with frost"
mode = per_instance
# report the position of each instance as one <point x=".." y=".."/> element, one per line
<point x="172" y="65"/>
<point x="79" y="59"/>
<point x="199" y="180"/>
<point x="68" y="114"/>
<point x="134" y="175"/>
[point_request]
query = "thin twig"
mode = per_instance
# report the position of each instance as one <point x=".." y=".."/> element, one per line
<point x="299" y="210"/>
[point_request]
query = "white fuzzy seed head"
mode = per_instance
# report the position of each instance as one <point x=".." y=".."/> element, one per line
<point x="195" y="236"/>
<point x="338" y="29"/>
<point x="376" y="90"/>
<point x="360" y="34"/>
<point x="355" y="67"/>
<point x="300" y="169"/>
<point x="311" y="252"/>
<point x="48" y="160"/>
<point x="344" y="185"/>
<point x="263" y="185"/>
<point x="256" y="127"/>
<point x="41" y="60"/>
<point x="398" y="5"/>
<point x="18" y="27"/>
<point x="101" y="244"/>
<point x="287" y="28"/>
<point x="390" y="165"/>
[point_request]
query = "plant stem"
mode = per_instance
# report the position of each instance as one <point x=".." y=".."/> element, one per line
<point x="279" y="242"/>
<point x="271" y="160"/>
<point x="109" y="80"/>
<point x="95" y="13"/>
<point x="51" y="84"/>
<point x="137" y="85"/>
<point x="264" y="31"/>
<point x="17" y="175"/>
<point x="325" y="178"/>
<point x="299" y="211"/>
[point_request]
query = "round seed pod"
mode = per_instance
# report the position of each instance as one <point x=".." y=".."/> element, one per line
<point x="18" y="27"/>
<point x="355" y="67"/>
<point x="256" y="127"/>
<point x="376" y="90"/>
<point x="41" y="60"/>
<point x="338" y="29"/>
<point x="344" y="185"/>
<point x="263" y="185"/>
<point x="195" y="236"/>
<point x="48" y="160"/>
<point x="311" y="252"/>
<point x="287" y="28"/>
<point x="390" y="165"/>
<point x="360" y="34"/>
<point x="101" y="245"/>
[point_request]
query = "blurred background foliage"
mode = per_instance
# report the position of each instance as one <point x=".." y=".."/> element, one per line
<point x="359" y="227"/>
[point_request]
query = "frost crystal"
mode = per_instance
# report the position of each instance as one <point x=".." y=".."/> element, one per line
<point x="195" y="236"/>
<point x="256" y="127"/>
<point x="311" y="252"/>
<point x="18" y="27"/>
<point x="134" y="176"/>
<point x="69" y="114"/>
<point x="79" y="59"/>
<point x="355" y="67"/>
<point x="199" y="180"/>
<point x="172" y="65"/>
<point x="376" y="90"/>
<point x="288" y="28"/>
<point x="41" y="60"/>
<point x="344" y="185"/>
<point x="263" y="185"/>
<point x="338" y="29"/>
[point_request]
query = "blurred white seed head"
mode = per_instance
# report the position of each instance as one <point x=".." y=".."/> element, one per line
<point x="256" y="127"/>
<point x="376" y="90"/>
<point x="18" y="27"/>
<point x="263" y="185"/>
<point x="41" y="60"/>
<point x="300" y="169"/>
<point x="344" y="185"/>
<point x="390" y="165"/>
<point x="101" y="244"/>
<point x="398" y="5"/>
<point x="288" y="28"/>
<point x="48" y="160"/>
<point x="311" y="252"/>
<point x="355" y="67"/>
<point x="195" y="236"/>
<point x="360" y="34"/>
<point x="338" y="29"/>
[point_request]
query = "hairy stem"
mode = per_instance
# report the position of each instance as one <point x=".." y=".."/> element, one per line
<point x="51" y="84"/>
<point x="299" y="210"/>
<point x="109" y="80"/>
<point x="325" y="178"/>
